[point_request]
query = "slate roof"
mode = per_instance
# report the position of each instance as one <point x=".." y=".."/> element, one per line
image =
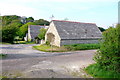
<point x="77" y="30"/>
<point x="35" y="30"/>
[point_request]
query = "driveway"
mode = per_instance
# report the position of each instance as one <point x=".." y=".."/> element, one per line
<point x="25" y="62"/>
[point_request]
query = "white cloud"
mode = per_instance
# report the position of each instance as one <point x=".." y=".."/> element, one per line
<point x="12" y="9"/>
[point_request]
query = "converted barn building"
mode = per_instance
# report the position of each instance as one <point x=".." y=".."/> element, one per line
<point x="33" y="31"/>
<point x="68" y="32"/>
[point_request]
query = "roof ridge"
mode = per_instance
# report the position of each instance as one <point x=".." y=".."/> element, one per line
<point x="72" y="21"/>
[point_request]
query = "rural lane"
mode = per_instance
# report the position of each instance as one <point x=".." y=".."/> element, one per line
<point x="23" y="61"/>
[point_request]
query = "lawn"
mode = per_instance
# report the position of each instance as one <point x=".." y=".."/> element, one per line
<point x="97" y="72"/>
<point x="74" y="47"/>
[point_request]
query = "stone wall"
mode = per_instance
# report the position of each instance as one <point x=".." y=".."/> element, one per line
<point x="85" y="41"/>
<point x="52" y="30"/>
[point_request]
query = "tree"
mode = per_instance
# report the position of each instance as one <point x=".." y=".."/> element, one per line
<point x="6" y="20"/>
<point x="24" y="29"/>
<point x="42" y="22"/>
<point x="30" y="19"/>
<point x="108" y="56"/>
<point x="9" y="33"/>
<point x="101" y="29"/>
<point x="41" y="35"/>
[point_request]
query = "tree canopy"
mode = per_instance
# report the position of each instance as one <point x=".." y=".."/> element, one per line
<point x="101" y="29"/>
<point x="42" y="22"/>
<point x="13" y="25"/>
<point x="41" y="35"/>
<point x="24" y="29"/>
<point x="8" y="33"/>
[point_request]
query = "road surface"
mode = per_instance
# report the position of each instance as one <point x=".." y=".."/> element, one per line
<point x="24" y="62"/>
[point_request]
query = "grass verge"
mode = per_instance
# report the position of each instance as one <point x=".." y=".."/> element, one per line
<point x="23" y="42"/>
<point x="48" y="48"/>
<point x="97" y="72"/>
<point x="4" y="43"/>
<point x="3" y="55"/>
<point x="74" y="47"/>
<point x="83" y="46"/>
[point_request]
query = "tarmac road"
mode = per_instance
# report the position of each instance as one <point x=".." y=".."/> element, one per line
<point x="24" y="62"/>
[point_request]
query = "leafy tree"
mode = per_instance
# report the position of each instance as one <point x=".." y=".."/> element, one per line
<point x="101" y="29"/>
<point x="108" y="56"/>
<point x="8" y="33"/>
<point x="6" y="20"/>
<point x="41" y="35"/>
<point x="17" y="23"/>
<point x="24" y="29"/>
<point x="42" y="22"/>
<point x="30" y="19"/>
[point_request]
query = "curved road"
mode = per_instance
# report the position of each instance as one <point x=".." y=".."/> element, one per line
<point x="23" y="61"/>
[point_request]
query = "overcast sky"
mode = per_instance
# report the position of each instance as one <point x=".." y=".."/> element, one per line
<point x="102" y="12"/>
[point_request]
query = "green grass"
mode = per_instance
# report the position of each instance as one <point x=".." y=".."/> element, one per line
<point x="4" y="43"/>
<point x="3" y="55"/>
<point x="23" y="42"/>
<point x="48" y="48"/>
<point x="83" y="46"/>
<point x="74" y="47"/>
<point x="97" y="72"/>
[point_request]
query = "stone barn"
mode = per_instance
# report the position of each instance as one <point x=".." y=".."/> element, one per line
<point x="68" y="32"/>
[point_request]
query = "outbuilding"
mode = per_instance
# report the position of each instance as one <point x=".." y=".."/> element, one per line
<point x="69" y="32"/>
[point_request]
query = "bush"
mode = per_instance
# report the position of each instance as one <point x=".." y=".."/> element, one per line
<point x="108" y="56"/>
<point x="96" y="71"/>
<point x="9" y="33"/>
<point x="47" y="43"/>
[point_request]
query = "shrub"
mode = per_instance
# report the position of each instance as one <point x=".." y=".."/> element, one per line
<point x="108" y="56"/>
<point x="47" y="43"/>
<point x="9" y="33"/>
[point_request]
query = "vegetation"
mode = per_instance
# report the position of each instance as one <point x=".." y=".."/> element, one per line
<point x="24" y="29"/>
<point x="83" y="46"/>
<point x="9" y="33"/>
<point x="25" y="42"/>
<point x="14" y="25"/>
<point x="101" y="29"/>
<point x="3" y="55"/>
<point x="108" y="56"/>
<point x="96" y="71"/>
<point x="4" y="43"/>
<point x="41" y="35"/>
<point x="48" y="48"/>
<point x="42" y="22"/>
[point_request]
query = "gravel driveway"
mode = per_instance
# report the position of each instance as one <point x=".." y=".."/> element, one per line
<point x="23" y="61"/>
